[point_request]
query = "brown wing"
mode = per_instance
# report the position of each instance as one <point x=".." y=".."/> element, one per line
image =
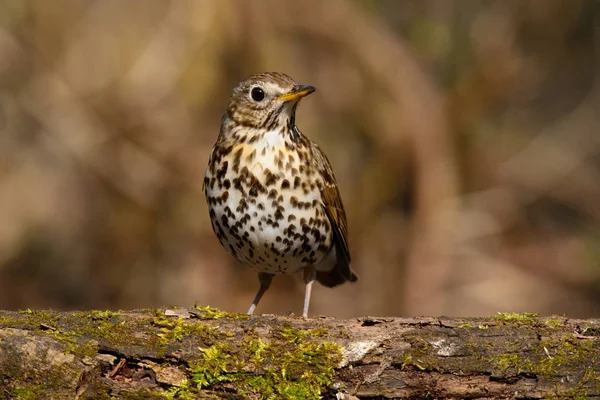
<point x="334" y="209"/>
<point x="332" y="203"/>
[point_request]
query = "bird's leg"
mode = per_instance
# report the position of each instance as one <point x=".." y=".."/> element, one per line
<point x="310" y="274"/>
<point x="265" y="281"/>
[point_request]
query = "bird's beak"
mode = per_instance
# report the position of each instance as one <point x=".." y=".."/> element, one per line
<point x="297" y="92"/>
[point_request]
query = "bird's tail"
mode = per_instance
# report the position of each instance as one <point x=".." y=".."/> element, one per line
<point x="341" y="272"/>
<point x="335" y="277"/>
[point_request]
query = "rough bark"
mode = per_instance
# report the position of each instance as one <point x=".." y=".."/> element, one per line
<point x="205" y="353"/>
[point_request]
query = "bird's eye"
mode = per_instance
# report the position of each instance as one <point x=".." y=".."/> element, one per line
<point x="257" y="94"/>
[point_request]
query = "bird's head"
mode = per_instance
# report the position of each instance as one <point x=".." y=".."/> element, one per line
<point x="266" y="101"/>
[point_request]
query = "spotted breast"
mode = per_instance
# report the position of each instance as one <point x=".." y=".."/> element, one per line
<point x="265" y="205"/>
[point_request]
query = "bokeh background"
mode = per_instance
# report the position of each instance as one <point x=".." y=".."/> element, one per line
<point x="465" y="137"/>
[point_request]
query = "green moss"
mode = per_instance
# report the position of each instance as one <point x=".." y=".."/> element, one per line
<point x="176" y="328"/>
<point x="563" y="353"/>
<point x="504" y="362"/>
<point x="73" y="345"/>
<point x="550" y="357"/>
<point x="300" y="371"/>
<point x="100" y="315"/>
<point x="30" y="392"/>
<point x="32" y="320"/>
<point x="553" y="323"/>
<point x="517" y="318"/>
<point x="465" y="326"/>
<point x="208" y="312"/>
<point x="109" y="329"/>
<point x="183" y="392"/>
<point x="289" y="366"/>
<point x="410" y="361"/>
<point x="216" y="367"/>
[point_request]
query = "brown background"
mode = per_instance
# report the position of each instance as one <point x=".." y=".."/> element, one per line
<point x="465" y="136"/>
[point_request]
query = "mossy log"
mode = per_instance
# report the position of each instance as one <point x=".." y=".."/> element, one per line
<point x="205" y="353"/>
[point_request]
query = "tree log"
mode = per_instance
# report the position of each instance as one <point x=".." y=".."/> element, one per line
<point x="205" y="353"/>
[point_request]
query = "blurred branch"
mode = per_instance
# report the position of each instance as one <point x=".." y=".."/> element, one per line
<point x="550" y="160"/>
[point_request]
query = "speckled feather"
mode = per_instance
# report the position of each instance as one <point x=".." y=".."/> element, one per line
<point x="272" y="196"/>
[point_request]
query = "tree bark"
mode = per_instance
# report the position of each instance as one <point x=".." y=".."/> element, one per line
<point x="206" y="353"/>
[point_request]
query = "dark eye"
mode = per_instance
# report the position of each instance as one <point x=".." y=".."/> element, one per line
<point x="257" y="94"/>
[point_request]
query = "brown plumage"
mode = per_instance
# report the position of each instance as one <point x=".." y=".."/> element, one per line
<point x="273" y="200"/>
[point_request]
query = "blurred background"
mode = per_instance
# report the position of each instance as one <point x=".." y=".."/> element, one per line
<point x="465" y="137"/>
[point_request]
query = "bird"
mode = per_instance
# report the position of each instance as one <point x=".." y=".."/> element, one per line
<point x="272" y="197"/>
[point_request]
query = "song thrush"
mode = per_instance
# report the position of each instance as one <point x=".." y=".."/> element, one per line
<point x="273" y="200"/>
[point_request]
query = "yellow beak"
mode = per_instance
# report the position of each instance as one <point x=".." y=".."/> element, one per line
<point x="297" y="92"/>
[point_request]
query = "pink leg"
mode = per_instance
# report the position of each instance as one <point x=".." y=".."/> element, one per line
<point x="265" y="281"/>
<point x="309" y="277"/>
